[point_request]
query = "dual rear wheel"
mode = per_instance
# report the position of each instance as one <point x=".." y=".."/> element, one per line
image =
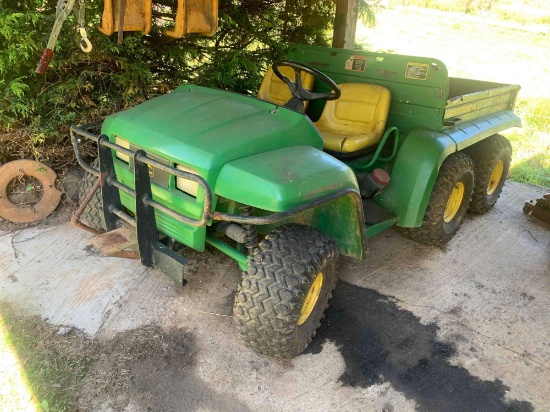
<point x="471" y="180"/>
<point x="492" y="158"/>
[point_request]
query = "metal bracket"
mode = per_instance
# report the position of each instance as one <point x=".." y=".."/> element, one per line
<point x="145" y="214"/>
<point x="170" y="263"/>
<point x="110" y="195"/>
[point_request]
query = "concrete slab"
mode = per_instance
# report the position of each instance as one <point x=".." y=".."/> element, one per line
<point x="412" y="327"/>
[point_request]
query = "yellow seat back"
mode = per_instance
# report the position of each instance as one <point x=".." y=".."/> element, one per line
<point x="274" y="90"/>
<point x="357" y="119"/>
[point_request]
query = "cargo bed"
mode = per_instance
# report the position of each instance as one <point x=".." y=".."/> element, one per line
<point x="472" y="99"/>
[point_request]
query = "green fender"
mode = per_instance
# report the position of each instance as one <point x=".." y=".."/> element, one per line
<point x="282" y="179"/>
<point x="421" y="154"/>
<point x="413" y="175"/>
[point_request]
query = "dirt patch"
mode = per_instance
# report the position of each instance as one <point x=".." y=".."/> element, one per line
<point x="149" y="369"/>
<point x="57" y="153"/>
<point x="25" y="191"/>
<point x="205" y="262"/>
<point x="115" y="380"/>
<point x="145" y="369"/>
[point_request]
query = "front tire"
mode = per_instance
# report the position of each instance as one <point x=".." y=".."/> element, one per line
<point x="492" y="158"/>
<point x="285" y="291"/>
<point x="448" y="202"/>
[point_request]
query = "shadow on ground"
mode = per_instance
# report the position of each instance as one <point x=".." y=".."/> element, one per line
<point x="382" y="343"/>
<point x="148" y="369"/>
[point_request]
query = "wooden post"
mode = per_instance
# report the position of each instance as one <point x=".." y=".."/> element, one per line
<point x="345" y="24"/>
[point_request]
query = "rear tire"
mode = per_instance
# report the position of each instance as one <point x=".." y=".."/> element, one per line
<point x="93" y="214"/>
<point x="448" y="202"/>
<point x="285" y="291"/>
<point x="492" y="158"/>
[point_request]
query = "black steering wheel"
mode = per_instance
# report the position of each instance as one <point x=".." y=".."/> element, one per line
<point x="297" y="89"/>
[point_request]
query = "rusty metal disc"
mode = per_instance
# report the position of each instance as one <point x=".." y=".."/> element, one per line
<point x="45" y="206"/>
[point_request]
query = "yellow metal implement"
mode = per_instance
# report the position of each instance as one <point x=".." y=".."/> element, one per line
<point x="137" y="16"/>
<point x="195" y="16"/>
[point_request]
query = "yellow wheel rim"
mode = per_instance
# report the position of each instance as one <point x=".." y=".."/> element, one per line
<point x="454" y="202"/>
<point x="311" y="298"/>
<point x="495" y="177"/>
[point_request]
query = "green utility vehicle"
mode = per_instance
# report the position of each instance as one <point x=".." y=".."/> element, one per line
<point x="338" y="146"/>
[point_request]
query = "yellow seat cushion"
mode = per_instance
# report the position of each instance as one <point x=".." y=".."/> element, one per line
<point x="357" y="119"/>
<point x="274" y="90"/>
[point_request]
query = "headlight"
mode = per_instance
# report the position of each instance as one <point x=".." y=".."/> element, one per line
<point x="186" y="185"/>
<point x="121" y="156"/>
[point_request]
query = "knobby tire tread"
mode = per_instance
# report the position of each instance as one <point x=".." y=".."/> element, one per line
<point x="93" y="213"/>
<point x="431" y="231"/>
<point x="485" y="155"/>
<point x="280" y="272"/>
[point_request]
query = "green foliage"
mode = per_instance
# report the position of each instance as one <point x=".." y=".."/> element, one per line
<point x="80" y="87"/>
<point x="16" y="46"/>
<point x="367" y="11"/>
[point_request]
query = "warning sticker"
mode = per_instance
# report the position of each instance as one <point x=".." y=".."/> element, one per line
<point x="418" y="71"/>
<point x="356" y="63"/>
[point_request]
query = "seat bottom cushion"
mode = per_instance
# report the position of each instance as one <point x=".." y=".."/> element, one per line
<point x="347" y="143"/>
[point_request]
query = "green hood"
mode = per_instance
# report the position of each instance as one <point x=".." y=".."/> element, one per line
<point x="206" y="128"/>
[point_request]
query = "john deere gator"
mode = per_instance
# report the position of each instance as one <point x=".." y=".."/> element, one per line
<point x="338" y="146"/>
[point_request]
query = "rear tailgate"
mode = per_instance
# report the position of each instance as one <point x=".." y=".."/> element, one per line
<point x="473" y="99"/>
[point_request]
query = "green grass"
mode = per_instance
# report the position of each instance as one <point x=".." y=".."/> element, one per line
<point x="483" y="46"/>
<point x="51" y="365"/>
<point x="520" y="11"/>
<point x="531" y="163"/>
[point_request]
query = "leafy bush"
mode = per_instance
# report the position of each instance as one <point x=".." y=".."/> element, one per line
<point x="35" y="111"/>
